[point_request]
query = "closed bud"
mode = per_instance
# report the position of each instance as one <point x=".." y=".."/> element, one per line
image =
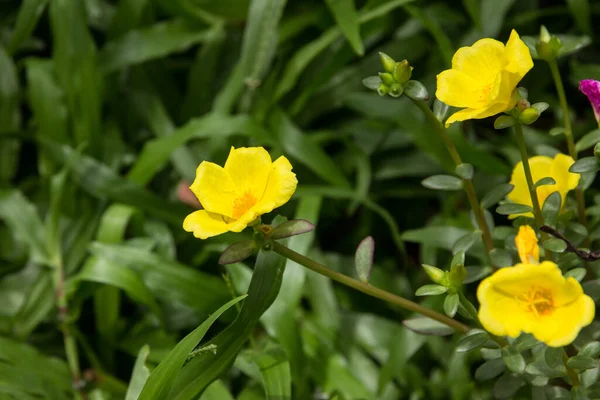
<point x="435" y="274"/>
<point x="396" y="90"/>
<point x="402" y="71"/>
<point x="548" y="46"/>
<point x="523" y="104"/>
<point x="386" y="78"/>
<point x="387" y="62"/>
<point x="529" y="116"/>
<point x="544" y="35"/>
<point x="383" y="89"/>
<point x="457" y="275"/>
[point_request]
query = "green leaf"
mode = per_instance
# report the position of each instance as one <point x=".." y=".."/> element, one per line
<point x="372" y="82"/>
<point x="427" y="326"/>
<point x="507" y="386"/>
<point x="472" y="340"/>
<point x="344" y="12"/>
<point x="490" y="369"/>
<point x="275" y="372"/>
<point x="451" y="304"/>
<point x="582" y="362"/>
<point x="292" y="228"/>
<point x="465" y="171"/>
<point x="540" y="368"/>
<point x="588" y="141"/>
<point x="465" y="242"/>
<point x="150" y="43"/>
<point x="551" y="208"/>
<point x="555" y="245"/>
<point x="205" y="368"/>
<point x="10" y="116"/>
<point x="431" y="290"/>
<point x="23" y="220"/>
<point x="139" y="376"/>
<point x="513" y="208"/>
<point x="363" y="258"/>
<point x="545" y="181"/>
<point x="592" y="289"/>
<point x="591" y="349"/>
<point x="553" y="356"/>
<point x="167" y="279"/>
<point x="577" y="273"/>
<point x="586" y="164"/>
<point x="513" y="359"/>
<point x="28" y="17"/>
<point x="493" y="14"/>
<point x="442" y="182"/>
<point x="237" y="252"/>
<point x="217" y="391"/>
<point x="496" y="194"/>
<point x="501" y="258"/>
<point x="504" y="121"/>
<point x="110" y="273"/>
<point x="416" y="90"/>
<point x="440" y="110"/>
<point x="161" y="380"/>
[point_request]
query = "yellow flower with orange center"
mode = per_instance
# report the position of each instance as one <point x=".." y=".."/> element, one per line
<point x="542" y="167"/>
<point x="483" y="78"/>
<point x="527" y="245"/>
<point x="536" y="299"/>
<point x="235" y="195"/>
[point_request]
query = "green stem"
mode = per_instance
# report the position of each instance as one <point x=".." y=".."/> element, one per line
<point x="560" y="89"/>
<point x="571" y="373"/>
<point x="488" y="241"/>
<point x="537" y="211"/>
<point x="367" y="289"/>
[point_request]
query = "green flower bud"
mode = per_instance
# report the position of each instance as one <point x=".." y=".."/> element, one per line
<point x="387" y="62"/>
<point x="523" y="104"/>
<point x="547" y="45"/>
<point x="434" y="273"/>
<point x="597" y="151"/>
<point x="383" y="89"/>
<point x="396" y="90"/>
<point x="529" y="116"/>
<point x="386" y="78"/>
<point x="402" y="71"/>
<point x="457" y="275"/>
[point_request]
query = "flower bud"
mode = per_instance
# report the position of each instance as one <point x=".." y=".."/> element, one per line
<point x="529" y="116"/>
<point x="544" y="35"/>
<point x="402" y="71"/>
<point x="396" y="90"/>
<point x="386" y="78"/>
<point x="457" y="275"/>
<point x="383" y="89"/>
<point x="547" y="45"/>
<point x="434" y="273"/>
<point x="387" y="62"/>
<point x="523" y="104"/>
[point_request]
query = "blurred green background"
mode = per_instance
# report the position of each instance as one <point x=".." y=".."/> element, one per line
<point x="106" y="109"/>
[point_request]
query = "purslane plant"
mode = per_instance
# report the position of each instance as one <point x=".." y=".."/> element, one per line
<point x="541" y="295"/>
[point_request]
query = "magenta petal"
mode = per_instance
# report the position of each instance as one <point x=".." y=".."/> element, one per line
<point x="591" y="88"/>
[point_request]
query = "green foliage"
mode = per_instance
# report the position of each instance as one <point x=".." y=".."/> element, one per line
<point x="107" y="108"/>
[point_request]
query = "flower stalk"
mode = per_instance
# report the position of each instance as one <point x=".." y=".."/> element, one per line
<point x="571" y="373"/>
<point x="537" y="211"/>
<point x="366" y="288"/>
<point x="468" y="186"/>
<point x="560" y="89"/>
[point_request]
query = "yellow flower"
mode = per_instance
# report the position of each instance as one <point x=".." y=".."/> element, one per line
<point x="483" y="78"/>
<point x="527" y="245"/>
<point x="235" y="195"/>
<point x="542" y="167"/>
<point x="536" y="299"/>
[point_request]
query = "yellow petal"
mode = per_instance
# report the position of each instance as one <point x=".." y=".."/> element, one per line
<point x="482" y="61"/>
<point x="249" y="168"/>
<point x="473" y="113"/>
<point x="214" y="188"/>
<point x="565" y="180"/>
<point x="205" y="224"/>
<point x="457" y="89"/>
<point x="280" y="187"/>
<point x="540" y="168"/>
<point x="518" y="57"/>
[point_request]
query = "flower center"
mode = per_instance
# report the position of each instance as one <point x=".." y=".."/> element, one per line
<point x="242" y="204"/>
<point x="485" y="93"/>
<point x="538" y="301"/>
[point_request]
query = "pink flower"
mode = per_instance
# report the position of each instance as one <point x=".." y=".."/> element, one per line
<point x="591" y="88"/>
